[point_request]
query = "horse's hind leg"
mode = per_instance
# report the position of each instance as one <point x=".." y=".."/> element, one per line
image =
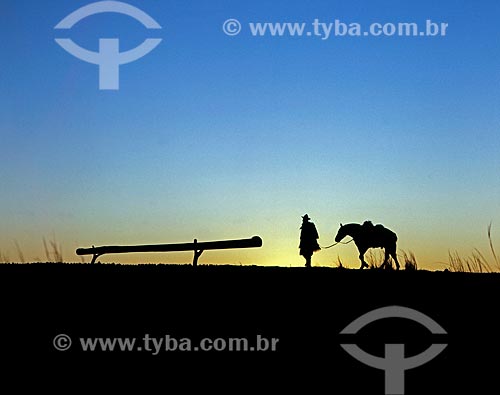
<point x="394" y="256"/>
<point x="386" y="260"/>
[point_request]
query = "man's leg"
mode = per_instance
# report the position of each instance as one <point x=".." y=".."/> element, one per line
<point x="308" y="260"/>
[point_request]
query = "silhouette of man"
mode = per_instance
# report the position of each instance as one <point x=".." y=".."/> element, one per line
<point x="308" y="239"/>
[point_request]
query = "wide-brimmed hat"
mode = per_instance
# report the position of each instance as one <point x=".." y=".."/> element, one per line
<point x="306" y="217"/>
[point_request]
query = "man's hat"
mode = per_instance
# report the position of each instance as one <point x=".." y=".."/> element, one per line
<point x="306" y="217"/>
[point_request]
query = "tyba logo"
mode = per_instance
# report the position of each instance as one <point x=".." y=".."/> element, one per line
<point x="109" y="58"/>
<point x="394" y="363"/>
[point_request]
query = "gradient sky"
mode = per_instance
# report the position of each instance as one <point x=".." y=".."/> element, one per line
<point x="219" y="137"/>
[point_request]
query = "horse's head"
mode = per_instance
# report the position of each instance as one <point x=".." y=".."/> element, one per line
<point x="340" y="234"/>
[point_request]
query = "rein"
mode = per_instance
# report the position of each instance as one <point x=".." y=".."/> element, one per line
<point x="334" y="244"/>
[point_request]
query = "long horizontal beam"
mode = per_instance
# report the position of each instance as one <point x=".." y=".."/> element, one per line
<point x="253" y="242"/>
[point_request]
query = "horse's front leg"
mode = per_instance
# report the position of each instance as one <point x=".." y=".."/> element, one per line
<point x="362" y="252"/>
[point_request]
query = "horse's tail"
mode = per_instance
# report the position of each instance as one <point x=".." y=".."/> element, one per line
<point x="391" y="235"/>
<point x="395" y="236"/>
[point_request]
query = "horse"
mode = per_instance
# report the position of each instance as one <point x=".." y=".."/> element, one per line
<point x="370" y="236"/>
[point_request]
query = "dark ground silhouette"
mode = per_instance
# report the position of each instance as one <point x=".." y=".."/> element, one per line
<point x="305" y="308"/>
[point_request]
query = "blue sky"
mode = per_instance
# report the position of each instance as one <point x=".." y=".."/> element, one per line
<point x="220" y="137"/>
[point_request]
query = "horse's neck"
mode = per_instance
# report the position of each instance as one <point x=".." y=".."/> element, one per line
<point x="352" y="230"/>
